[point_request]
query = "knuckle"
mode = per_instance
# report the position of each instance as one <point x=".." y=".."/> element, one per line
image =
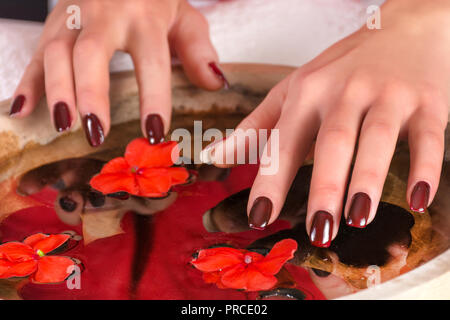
<point x="433" y="137"/>
<point x="93" y="6"/>
<point x="307" y="85"/>
<point x="86" y="46"/>
<point x="56" y="46"/>
<point x="307" y="82"/>
<point x="337" y="135"/>
<point x="434" y="102"/>
<point x="381" y="128"/>
<point x="356" y="90"/>
<point x="287" y="152"/>
<point x="397" y="90"/>
<point x="156" y="62"/>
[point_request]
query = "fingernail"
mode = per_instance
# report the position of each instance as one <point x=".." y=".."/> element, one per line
<point x="67" y="204"/>
<point x="155" y="128"/>
<point x="321" y="229"/>
<point x="359" y="210"/>
<point x="260" y="213"/>
<point x="420" y="197"/>
<point x="219" y="74"/>
<point x="17" y="105"/>
<point x="94" y="130"/>
<point x="62" y="117"/>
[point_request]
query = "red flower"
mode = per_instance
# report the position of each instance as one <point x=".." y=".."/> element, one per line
<point x="144" y="171"/>
<point x="29" y="258"/>
<point x="243" y="269"/>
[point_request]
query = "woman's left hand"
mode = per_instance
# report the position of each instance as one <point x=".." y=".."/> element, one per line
<point x="356" y="99"/>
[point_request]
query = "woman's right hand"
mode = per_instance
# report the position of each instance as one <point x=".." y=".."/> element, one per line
<point x="72" y="65"/>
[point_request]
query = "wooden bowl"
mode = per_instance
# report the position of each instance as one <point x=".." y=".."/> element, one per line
<point x="30" y="143"/>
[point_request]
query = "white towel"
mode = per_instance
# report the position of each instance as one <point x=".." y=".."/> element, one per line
<point x="289" y="32"/>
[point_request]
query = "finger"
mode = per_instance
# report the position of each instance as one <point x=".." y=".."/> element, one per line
<point x="30" y="89"/>
<point x="282" y="156"/>
<point x="92" y="53"/>
<point x="32" y="84"/>
<point x="59" y="82"/>
<point x="333" y="155"/>
<point x="151" y="58"/>
<point x="426" y="135"/>
<point x="378" y="138"/>
<point x="228" y="152"/>
<point x="191" y="41"/>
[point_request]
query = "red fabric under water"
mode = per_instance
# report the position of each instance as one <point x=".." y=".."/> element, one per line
<point x="176" y="234"/>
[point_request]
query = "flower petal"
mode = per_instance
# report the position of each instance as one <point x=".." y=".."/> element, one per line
<point x="217" y="259"/>
<point x="178" y="175"/>
<point x="52" y="269"/>
<point x="16" y="252"/>
<point x="49" y="243"/>
<point x="247" y="278"/>
<point x="281" y="252"/>
<point x="117" y="165"/>
<point x="214" y="277"/>
<point x="34" y="238"/>
<point x="141" y="154"/>
<point x="115" y="182"/>
<point x="21" y="269"/>
<point x="153" y="182"/>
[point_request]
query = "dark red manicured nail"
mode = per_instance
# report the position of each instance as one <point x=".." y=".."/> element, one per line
<point x="260" y="213"/>
<point x="61" y="116"/>
<point x="93" y="129"/>
<point x="67" y="204"/>
<point x="219" y="74"/>
<point x="420" y="197"/>
<point x="359" y="210"/>
<point x="155" y="128"/>
<point x="321" y="229"/>
<point x="17" y="105"/>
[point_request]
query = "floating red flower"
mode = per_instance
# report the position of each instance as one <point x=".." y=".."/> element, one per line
<point x="29" y="258"/>
<point x="145" y="171"/>
<point x="243" y="269"/>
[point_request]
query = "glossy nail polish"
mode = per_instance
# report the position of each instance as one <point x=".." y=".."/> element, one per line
<point x="359" y="210"/>
<point x="155" y="128"/>
<point x="93" y="129"/>
<point x="61" y="116"/>
<point x="219" y="74"/>
<point x="67" y="204"/>
<point x="321" y="229"/>
<point x="420" y="196"/>
<point x="17" y="105"/>
<point x="260" y="213"/>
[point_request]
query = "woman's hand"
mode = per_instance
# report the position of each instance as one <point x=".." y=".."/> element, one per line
<point x="356" y="99"/>
<point x="74" y="64"/>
